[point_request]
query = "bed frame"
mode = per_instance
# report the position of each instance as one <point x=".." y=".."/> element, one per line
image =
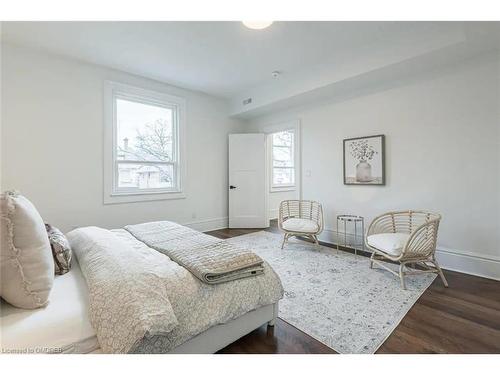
<point x="217" y="337"/>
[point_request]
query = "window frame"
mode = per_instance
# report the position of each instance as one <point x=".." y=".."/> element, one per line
<point x="293" y="126"/>
<point x="114" y="194"/>
<point x="273" y="167"/>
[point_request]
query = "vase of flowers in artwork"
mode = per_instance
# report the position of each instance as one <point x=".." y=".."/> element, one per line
<point x="363" y="171"/>
<point x="363" y="152"/>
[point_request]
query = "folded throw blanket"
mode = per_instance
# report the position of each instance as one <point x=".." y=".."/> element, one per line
<point x="210" y="259"/>
<point x="128" y="299"/>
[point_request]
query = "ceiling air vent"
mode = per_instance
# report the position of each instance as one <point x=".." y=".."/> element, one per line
<point x="247" y="101"/>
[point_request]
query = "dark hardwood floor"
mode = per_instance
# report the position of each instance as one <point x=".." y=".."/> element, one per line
<point x="464" y="318"/>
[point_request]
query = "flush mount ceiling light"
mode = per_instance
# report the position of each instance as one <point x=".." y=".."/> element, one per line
<point x="257" y="25"/>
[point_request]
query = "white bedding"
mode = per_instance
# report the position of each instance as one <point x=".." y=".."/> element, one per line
<point x="62" y="326"/>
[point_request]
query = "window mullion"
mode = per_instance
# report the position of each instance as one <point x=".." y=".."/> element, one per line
<point x="145" y="162"/>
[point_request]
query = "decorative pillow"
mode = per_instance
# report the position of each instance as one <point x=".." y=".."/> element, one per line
<point x="26" y="265"/>
<point x="61" y="251"/>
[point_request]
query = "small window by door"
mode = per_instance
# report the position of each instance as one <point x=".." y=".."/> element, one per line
<point x="283" y="159"/>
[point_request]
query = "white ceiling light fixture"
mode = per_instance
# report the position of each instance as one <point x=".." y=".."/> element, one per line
<point x="257" y="25"/>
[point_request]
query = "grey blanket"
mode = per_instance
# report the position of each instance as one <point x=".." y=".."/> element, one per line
<point x="210" y="259"/>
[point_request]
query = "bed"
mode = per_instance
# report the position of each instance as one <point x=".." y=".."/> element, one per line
<point x="65" y="325"/>
<point x="61" y="327"/>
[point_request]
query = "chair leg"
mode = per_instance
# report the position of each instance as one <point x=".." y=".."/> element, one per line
<point x="315" y="239"/>
<point x="440" y="272"/>
<point x="285" y="239"/>
<point x="371" y="260"/>
<point x="402" y="276"/>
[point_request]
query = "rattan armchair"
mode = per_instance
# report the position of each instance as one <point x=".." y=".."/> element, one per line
<point x="408" y="238"/>
<point x="300" y="218"/>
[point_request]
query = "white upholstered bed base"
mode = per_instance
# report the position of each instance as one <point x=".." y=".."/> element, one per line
<point x="220" y="336"/>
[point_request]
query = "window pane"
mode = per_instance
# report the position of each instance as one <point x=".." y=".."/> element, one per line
<point x="283" y="176"/>
<point x="284" y="138"/>
<point x="145" y="176"/>
<point x="144" y="132"/>
<point x="282" y="157"/>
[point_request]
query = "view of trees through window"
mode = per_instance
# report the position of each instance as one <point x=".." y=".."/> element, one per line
<point x="145" y="145"/>
<point x="283" y="158"/>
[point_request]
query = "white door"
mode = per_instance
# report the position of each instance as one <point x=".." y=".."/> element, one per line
<point x="247" y="181"/>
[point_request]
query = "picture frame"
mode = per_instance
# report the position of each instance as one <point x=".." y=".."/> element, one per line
<point x="364" y="160"/>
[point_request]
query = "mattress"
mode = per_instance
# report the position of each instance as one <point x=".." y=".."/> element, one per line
<point x="62" y="326"/>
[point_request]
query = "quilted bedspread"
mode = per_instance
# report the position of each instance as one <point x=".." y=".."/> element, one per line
<point x="141" y="301"/>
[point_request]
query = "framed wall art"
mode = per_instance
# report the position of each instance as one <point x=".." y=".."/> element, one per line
<point x="364" y="160"/>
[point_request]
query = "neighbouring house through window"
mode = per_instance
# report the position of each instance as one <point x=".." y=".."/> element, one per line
<point x="145" y="146"/>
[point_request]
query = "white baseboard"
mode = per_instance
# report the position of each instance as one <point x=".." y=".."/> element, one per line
<point x="273" y="213"/>
<point x="473" y="264"/>
<point x="207" y="225"/>
<point x="451" y="259"/>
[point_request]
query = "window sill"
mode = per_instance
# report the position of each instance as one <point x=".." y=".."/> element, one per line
<point x="279" y="189"/>
<point x="118" y="198"/>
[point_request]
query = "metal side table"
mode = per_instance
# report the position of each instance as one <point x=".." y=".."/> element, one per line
<point x="352" y="221"/>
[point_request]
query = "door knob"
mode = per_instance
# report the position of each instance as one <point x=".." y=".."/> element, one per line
<point x="232" y="187"/>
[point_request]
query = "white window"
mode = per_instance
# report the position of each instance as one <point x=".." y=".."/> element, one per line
<point x="143" y="144"/>
<point x="283" y="158"/>
<point x="284" y="162"/>
<point x="283" y="141"/>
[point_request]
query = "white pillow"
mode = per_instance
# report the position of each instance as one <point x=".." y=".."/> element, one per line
<point x="390" y="243"/>
<point x="26" y="264"/>
<point x="300" y="225"/>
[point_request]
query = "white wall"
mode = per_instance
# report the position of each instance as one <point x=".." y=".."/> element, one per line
<point x="442" y="140"/>
<point x="442" y="154"/>
<point x="276" y="197"/>
<point x="52" y="144"/>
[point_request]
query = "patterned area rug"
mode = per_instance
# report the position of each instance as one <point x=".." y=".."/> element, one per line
<point x="335" y="297"/>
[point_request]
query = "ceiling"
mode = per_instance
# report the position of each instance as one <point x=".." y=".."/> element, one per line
<point x="228" y="60"/>
<point x="219" y="58"/>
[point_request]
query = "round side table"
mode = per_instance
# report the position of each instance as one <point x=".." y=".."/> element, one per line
<point x="352" y="221"/>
